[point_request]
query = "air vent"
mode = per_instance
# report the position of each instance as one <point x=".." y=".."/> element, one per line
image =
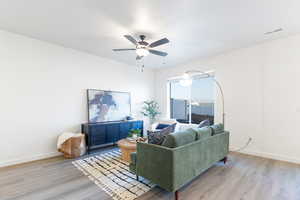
<point x="274" y="31"/>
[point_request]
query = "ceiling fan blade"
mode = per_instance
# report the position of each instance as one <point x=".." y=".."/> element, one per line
<point x="139" y="57"/>
<point x="159" y="53"/>
<point x="123" y="49"/>
<point x="159" y="42"/>
<point x="131" y="39"/>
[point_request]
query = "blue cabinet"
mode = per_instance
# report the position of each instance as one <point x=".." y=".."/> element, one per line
<point x="112" y="133"/>
<point x="103" y="134"/>
<point x="98" y="138"/>
<point x="137" y="125"/>
<point x="124" y="129"/>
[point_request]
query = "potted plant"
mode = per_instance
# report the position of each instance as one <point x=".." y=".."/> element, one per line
<point x="150" y="109"/>
<point x="134" y="133"/>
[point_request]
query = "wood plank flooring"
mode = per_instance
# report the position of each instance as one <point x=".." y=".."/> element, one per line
<point x="244" y="177"/>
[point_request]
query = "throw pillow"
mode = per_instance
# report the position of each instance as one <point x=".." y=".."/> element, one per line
<point x="203" y="133"/>
<point x="217" y="128"/>
<point x="204" y="123"/>
<point x="162" y="126"/>
<point x="157" y="137"/>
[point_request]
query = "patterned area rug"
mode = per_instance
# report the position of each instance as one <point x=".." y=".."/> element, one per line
<point x="112" y="174"/>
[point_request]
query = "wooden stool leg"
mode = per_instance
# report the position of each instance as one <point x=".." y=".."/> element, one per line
<point x="176" y="195"/>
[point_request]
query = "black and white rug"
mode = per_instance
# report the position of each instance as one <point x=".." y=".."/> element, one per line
<point x="112" y="174"/>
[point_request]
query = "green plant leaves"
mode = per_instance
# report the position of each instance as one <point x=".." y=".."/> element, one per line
<point x="150" y="109"/>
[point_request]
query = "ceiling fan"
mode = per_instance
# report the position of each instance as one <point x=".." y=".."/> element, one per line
<point x="143" y="48"/>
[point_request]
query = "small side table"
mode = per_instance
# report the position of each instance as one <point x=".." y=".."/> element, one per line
<point x="127" y="147"/>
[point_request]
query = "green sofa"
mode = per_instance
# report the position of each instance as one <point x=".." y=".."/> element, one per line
<point x="182" y="156"/>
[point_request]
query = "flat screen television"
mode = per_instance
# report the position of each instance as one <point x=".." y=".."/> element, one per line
<point x="105" y="106"/>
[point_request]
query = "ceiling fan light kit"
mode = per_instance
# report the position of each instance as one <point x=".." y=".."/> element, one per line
<point x="142" y="51"/>
<point x="143" y="48"/>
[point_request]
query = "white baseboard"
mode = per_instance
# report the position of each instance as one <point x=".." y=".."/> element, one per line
<point x="28" y="159"/>
<point x="52" y="154"/>
<point x="269" y="155"/>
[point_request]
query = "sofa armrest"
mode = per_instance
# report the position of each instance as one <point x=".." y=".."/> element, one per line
<point x="194" y="158"/>
<point x="171" y="168"/>
<point x="155" y="162"/>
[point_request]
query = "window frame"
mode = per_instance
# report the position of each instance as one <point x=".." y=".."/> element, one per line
<point x="169" y="95"/>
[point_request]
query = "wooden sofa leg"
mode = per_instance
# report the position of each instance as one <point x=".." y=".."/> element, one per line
<point x="176" y="195"/>
<point x="137" y="177"/>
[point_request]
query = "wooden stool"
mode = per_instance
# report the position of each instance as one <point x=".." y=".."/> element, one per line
<point x="127" y="147"/>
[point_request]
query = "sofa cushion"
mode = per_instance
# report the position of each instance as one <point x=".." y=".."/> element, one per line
<point x="203" y="133"/>
<point x="157" y="137"/>
<point x="180" y="138"/>
<point x="217" y="128"/>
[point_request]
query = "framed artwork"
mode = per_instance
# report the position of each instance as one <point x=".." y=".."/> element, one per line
<point x="104" y="106"/>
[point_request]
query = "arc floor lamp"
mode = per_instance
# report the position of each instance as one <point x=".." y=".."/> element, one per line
<point x="187" y="80"/>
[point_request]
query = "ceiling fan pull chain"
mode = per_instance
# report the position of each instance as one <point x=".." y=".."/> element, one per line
<point x="143" y="67"/>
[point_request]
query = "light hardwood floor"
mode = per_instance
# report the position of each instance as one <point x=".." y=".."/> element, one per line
<point x="244" y="177"/>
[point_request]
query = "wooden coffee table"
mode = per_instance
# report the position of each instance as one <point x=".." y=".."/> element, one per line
<point x="127" y="147"/>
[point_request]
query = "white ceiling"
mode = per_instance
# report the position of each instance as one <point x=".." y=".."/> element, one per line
<point x="196" y="28"/>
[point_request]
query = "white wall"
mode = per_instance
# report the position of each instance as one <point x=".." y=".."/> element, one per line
<point x="43" y="93"/>
<point x="261" y="86"/>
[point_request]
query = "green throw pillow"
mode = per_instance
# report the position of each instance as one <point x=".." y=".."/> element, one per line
<point x="203" y="132"/>
<point x="180" y="138"/>
<point x="217" y="128"/>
